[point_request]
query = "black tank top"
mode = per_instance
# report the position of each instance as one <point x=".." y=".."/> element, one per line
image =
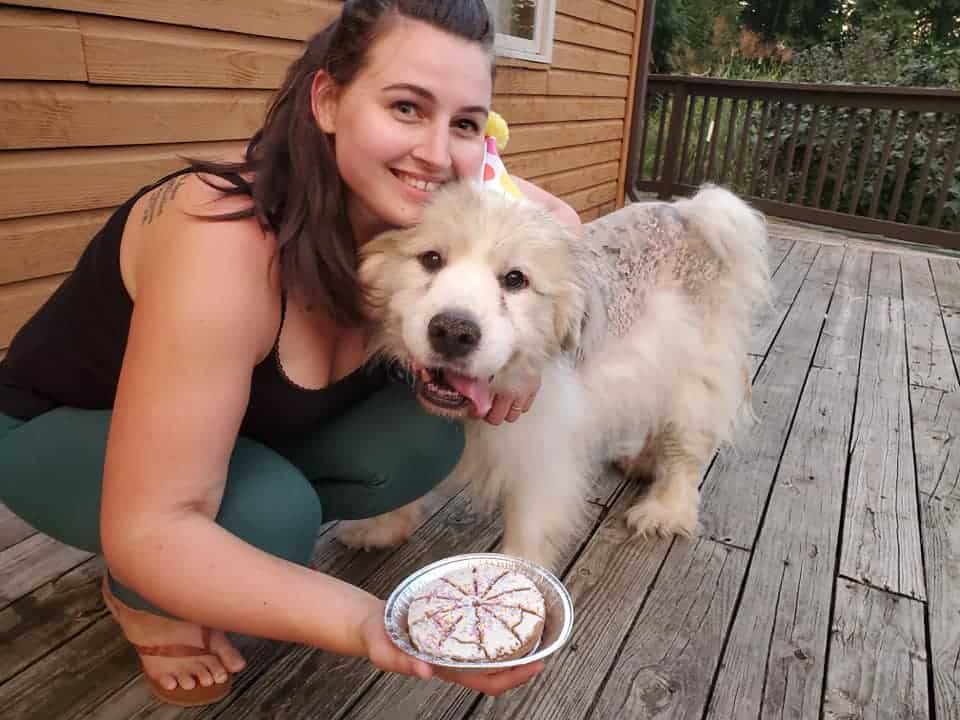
<point x="69" y="353"/>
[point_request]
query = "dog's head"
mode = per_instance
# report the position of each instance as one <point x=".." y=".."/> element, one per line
<point x="476" y="298"/>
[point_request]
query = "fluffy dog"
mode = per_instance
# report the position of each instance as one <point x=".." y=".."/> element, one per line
<point x="638" y="331"/>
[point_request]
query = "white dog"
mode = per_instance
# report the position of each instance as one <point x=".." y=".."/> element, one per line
<point x="638" y="331"/>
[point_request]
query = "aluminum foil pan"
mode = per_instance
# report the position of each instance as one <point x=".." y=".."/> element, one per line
<point x="557" y="624"/>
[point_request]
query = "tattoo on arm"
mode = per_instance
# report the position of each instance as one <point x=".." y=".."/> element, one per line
<point x="159" y="197"/>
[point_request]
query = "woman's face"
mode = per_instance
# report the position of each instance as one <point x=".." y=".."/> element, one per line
<point x="411" y="120"/>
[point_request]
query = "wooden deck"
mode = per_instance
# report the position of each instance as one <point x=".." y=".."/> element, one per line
<point x="826" y="583"/>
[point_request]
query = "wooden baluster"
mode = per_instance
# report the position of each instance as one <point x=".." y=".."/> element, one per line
<point x="948" y="167"/>
<point x="904" y="166"/>
<point x="865" y="154"/>
<point x="884" y="158"/>
<point x="764" y="119"/>
<point x="844" y="159"/>
<point x="933" y="149"/>
<point x="729" y="148"/>
<point x="783" y="194"/>
<point x="825" y="158"/>
<point x="808" y="152"/>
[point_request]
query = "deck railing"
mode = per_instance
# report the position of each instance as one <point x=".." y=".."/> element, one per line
<point x="879" y="160"/>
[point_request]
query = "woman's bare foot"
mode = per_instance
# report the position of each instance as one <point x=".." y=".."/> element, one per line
<point x="146" y="629"/>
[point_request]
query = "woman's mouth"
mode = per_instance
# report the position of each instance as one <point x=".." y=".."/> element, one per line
<point x="417" y="182"/>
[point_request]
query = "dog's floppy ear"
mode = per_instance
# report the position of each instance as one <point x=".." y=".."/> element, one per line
<point x="568" y="316"/>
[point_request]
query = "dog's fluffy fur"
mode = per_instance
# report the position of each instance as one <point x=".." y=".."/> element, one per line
<point x="638" y="331"/>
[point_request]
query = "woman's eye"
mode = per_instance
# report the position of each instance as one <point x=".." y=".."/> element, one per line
<point x="468" y="126"/>
<point x="405" y="108"/>
<point x="515" y="280"/>
<point x="431" y="260"/>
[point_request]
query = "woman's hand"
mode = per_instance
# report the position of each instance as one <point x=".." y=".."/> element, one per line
<point x="388" y="657"/>
<point x="509" y="407"/>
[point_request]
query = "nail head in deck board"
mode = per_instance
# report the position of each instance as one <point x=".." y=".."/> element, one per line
<point x="877" y="668"/>
<point x="931" y="363"/>
<point x="840" y="341"/>
<point x="53" y="613"/>
<point x="666" y="666"/>
<point x="735" y="490"/>
<point x="936" y="428"/>
<point x="320" y="684"/>
<point x="941" y="541"/>
<point x="786" y="284"/>
<point x="607" y="582"/>
<point x="774" y="662"/>
<point x="73" y="678"/>
<point x="399" y="696"/>
<point x="32" y="562"/>
<point x="881" y="542"/>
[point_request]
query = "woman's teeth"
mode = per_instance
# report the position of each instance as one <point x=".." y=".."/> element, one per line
<point x="419" y="184"/>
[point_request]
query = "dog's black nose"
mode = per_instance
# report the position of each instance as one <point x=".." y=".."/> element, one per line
<point x="453" y="335"/>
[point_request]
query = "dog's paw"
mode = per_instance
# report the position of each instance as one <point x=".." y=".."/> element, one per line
<point x="652" y="516"/>
<point x="384" y="531"/>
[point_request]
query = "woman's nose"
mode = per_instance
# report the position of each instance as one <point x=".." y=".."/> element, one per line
<point x="434" y="147"/>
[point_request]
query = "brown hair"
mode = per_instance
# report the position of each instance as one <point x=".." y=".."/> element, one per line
<point x="297" y="192"/>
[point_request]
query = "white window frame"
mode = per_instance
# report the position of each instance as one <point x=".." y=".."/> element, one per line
<point x="540" y="49"/>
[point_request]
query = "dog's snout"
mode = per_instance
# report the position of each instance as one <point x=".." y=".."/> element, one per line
<point x="453" y="335"/>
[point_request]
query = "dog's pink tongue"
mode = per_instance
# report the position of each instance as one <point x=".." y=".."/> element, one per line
<point x="476" y="391"/>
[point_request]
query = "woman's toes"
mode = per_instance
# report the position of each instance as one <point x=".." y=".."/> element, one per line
<point x="167" y="682"/>
<point x="228" y="654"/>
<point x="202" y="673"/>
<point x="186" y="680"/>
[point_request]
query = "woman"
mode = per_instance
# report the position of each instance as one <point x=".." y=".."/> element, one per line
<point x="196" y="398"/>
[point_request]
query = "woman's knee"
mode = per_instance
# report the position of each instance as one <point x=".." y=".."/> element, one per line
<point x="269" y="503"/>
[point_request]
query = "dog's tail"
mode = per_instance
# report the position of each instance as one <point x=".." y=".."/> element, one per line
<point x="736" y="234"/>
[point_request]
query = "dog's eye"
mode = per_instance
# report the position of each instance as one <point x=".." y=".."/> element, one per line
<point x="515" y="280"/>
<point x="431" y="260"/>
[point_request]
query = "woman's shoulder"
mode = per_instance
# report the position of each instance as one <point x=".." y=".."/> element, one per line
<point x="188" y="238"/>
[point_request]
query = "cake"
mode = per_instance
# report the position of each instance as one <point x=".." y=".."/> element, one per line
<point x="477" y="614"/>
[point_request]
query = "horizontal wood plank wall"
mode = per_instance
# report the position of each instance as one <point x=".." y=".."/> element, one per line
<point x="99" y="97"/>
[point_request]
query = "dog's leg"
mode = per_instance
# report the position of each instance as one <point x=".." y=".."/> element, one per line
<point x="670" y="506"/>
<point x="544" y="512"/>
<point x="381" y="531"/>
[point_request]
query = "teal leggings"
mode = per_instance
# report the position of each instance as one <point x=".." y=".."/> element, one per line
<point x="381" y="454"/>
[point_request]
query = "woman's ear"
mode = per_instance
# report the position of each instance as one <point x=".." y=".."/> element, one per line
<point x="324" y="98"/>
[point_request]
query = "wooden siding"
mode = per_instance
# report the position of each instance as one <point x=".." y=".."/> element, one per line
<point x="99" y="97"/>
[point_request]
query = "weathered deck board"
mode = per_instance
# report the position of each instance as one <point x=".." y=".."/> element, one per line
<point x="877" y="657"/>
<point x="787" y="281"/>
<point x="665" y="669"/>
<point x="775" y="658"/>
<point x="12" y="528"/>
<point x="736" y="488"/>
<point x="38" y="623"/>
<point x="941" y="542"/>
<point x="928" y="352"/>
<point x="32" y="562"/>
<point x="881" y="539"/>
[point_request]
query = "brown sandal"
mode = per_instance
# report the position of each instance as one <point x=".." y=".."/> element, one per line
<point x="182" y="697"/>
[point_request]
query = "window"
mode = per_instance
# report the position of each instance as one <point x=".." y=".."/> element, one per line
<point x="524" y="28"/>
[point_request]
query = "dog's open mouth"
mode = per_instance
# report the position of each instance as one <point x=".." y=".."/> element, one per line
<point x="450" y="391"/>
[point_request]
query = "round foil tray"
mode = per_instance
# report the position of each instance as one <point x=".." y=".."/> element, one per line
<point x="557" y="624"/>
